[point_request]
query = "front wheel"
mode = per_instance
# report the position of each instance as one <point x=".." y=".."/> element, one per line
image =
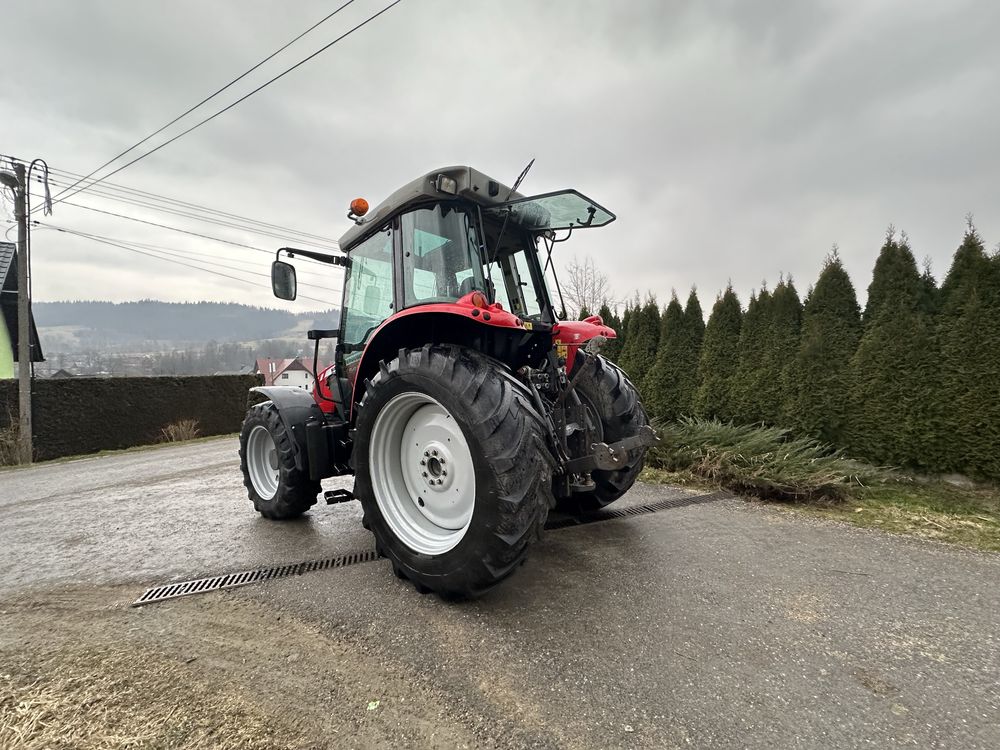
<point x="452" y="469"/>
<point x="277" y="489"/>
<point x="617" y="413"/>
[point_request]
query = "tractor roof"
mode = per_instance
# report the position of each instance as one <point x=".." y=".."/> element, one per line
<point x="470" y="184"/>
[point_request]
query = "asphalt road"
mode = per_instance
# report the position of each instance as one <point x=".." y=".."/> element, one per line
<point x="725" y="624"/>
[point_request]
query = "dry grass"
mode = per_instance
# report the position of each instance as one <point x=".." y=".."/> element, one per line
<point x="764" y="462"/>
<point x="9" y="453"/>
<point x="186" y="429"/>
<point x="761" y="461"/>
<point x="117" y="698"/>
<point x="932" y="510"/>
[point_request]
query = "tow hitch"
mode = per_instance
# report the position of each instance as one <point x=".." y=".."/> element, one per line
<point x="610" y="457"/>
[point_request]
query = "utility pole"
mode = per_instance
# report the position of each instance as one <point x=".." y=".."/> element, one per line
<point x="23" y="319"/>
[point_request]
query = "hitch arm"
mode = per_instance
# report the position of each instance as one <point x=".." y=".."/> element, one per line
<point x="611" y="457"/>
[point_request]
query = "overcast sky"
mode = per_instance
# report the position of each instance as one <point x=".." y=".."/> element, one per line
<point x="734" y="140"/>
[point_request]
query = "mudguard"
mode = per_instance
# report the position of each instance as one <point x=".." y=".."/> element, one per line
<point x="295" y="407"/>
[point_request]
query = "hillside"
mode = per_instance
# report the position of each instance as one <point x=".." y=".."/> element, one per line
<point x="150" y="325"/>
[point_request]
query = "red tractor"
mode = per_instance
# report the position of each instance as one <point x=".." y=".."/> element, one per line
<point x="464" y="405"/>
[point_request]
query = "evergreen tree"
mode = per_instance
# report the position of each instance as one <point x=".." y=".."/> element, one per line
<point x="670" y="384"/>
<point x="719" y="357"/>
<point x="695" y="320"/>
<point x="584" y="313"/>
<point x="892" y="373"/>
<point x="895" y="280"/>
<point x="659" y="387"/>
<point x="781" y="344"/>
<point x="748" y="381"/>
<point x="612" y="346"/>
<point x="969" y="338"/>
<point x="831" y="330"/>
<point x="641" y="340"/>
<point x="930" y="297"/>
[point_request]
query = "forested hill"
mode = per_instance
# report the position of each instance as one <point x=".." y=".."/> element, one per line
<point x="151" y="320"/>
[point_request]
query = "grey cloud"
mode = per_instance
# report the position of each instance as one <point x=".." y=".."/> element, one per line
<point x="734" y="140"/>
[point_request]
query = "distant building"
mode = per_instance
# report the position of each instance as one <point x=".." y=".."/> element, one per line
<point x="8" y="314"/>
<point x="286" y="372"/>
<point x="61" y="374"/>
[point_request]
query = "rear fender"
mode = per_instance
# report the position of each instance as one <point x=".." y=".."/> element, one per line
<point x="502" y="337"/>
<point x="296" y="406"/>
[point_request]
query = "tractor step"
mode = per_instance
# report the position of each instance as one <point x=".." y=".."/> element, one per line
<point x="333" y="497"/>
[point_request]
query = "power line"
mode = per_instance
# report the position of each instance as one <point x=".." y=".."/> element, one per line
<point x="238" y="101"/>
<point x="178" y="262"/>
<point x="63" y="174"/>
<point x="177" y="229"/>
<point x="177" y="253"/>
<point x="209" y="97"/>
<point x="207" y="219"/>
<point x="321" y="241"/>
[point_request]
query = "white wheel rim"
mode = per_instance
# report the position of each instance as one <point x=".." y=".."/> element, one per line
<point x="422" y="473"/>
<point x="262" y="462"/>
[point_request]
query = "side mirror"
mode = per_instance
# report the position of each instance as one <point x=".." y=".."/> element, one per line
<point x="283" y="280"/>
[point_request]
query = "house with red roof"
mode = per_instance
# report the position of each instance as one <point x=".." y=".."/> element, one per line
<point x="285" y="372"/>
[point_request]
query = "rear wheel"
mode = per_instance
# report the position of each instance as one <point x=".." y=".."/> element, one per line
<point x="452" y="469"/>
<point x="277" y="489"/>
<point x="615" y="408"/>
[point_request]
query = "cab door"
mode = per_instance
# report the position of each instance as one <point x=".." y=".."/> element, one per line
<point x="369" y="298"/>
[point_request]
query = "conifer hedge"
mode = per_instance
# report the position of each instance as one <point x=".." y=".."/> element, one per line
<point x="714" y="398"/>
<point x="831" y="330"/>
<point x="673" y="378"/>
<point x="641" y="340"/>
<point x="912" y="381"/>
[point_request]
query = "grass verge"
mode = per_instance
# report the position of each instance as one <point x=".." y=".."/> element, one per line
<point x="814" y="479"/>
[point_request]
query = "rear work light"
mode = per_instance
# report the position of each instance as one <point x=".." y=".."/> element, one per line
<point x="446" y="184"/>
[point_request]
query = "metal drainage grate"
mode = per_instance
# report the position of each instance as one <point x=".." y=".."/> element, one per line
<point x="232" y="580"/>
<point x="633" y="510"/>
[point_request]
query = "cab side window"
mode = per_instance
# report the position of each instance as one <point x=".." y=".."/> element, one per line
<point x="369" y="287"/>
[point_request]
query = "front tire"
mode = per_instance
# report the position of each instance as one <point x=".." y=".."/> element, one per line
<point x="613" y="400"/>
<point x="277" y="489"/>
<point x="452" y="469"/>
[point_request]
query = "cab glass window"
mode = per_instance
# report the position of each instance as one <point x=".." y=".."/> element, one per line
<point x="440" y="255"/>
<point x="369" y="287"/>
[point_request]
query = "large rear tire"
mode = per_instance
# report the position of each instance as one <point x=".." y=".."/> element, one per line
<point x="452" y="469"/>
<point x="277" y="489"/>
<point x="614" y="403"/>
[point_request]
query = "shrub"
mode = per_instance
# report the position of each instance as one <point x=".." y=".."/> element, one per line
<point x="186" y="429"/>
<point x="9" y="451"/>
<point x="761" y="461"/>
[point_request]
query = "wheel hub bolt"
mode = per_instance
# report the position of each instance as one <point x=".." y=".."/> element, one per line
<point x="423" y="461"/>
<point x="425" y="474"/>
<point x="444" y="472"/>
<point x="434" y="452"/>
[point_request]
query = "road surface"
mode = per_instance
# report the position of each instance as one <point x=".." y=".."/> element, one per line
<point x="723" y="624"/>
